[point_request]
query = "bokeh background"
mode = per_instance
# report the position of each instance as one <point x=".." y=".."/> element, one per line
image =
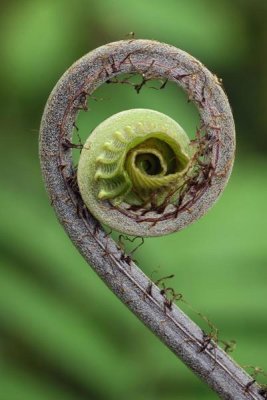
<point x="63" y="335"/>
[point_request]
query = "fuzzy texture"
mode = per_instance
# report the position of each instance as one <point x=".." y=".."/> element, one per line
<point x="117" y="270"/>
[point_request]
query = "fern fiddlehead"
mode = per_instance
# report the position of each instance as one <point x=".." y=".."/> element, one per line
<point x="197" y="172"/>
<point x="136" y="157"/>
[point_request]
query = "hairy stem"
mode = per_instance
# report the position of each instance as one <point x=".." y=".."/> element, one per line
<point x="116" y="269"/>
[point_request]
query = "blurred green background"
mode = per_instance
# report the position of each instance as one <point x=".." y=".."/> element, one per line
<point x="57" y="340"/>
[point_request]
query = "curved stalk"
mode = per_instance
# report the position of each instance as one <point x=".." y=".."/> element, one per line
<point x="116" y="269"/>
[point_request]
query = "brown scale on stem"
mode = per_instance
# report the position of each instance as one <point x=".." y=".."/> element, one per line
<point x="263" y="391"/>
<point x="255" y="373"/>
<point x="128" y="257"/>
<point x="67" y="144"/>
